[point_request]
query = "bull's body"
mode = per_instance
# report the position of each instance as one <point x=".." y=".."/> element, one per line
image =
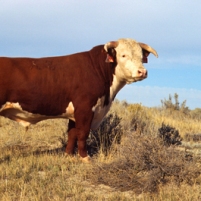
<point x="79" y="87"/>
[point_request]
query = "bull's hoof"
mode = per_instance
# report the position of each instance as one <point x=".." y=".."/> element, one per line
<point x="86" y="159"/>
<point x="78" y="158"/>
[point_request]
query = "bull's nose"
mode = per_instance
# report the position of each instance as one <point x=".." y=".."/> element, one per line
<point x="142" y="73"/>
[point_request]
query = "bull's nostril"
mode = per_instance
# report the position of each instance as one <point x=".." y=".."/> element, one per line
<point x="142" y="72"/>
<point x="146" y="72"/>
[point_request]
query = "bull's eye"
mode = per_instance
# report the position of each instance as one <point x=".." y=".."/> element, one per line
<point x="123" y="55"/>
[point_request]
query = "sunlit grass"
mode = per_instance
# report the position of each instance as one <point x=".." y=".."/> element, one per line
<point x="33" y="165"/>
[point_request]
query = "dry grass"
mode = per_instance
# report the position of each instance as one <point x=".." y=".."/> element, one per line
<point x="138" y="166"/>
<point x="144" y="164"/>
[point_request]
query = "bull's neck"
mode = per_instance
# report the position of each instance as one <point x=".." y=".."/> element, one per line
<point x="106" y="72"/>
<point x="116" y="86"/>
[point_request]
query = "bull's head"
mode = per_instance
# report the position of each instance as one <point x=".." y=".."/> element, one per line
<point x="130" y="56"/>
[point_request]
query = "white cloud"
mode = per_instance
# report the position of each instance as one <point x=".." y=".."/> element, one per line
<point x="186" y="60"/>
<point x="152" y="96"/>
<point x="164" y="24"/>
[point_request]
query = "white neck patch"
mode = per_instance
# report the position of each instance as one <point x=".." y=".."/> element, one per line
<point x="99" y="109"/>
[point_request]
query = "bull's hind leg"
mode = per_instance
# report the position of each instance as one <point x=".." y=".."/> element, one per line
<point x="72" y="138"/>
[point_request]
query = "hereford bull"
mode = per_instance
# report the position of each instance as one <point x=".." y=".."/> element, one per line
<point x="79" y="87"/>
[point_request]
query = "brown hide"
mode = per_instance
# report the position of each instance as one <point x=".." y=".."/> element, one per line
<point x="45" y="86"/>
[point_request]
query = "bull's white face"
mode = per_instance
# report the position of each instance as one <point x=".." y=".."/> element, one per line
<point x="129" y="69"/>
<point x="129" y="61"/>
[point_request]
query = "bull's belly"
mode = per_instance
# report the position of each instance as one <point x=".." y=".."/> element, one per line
<point x="15" y="112"/>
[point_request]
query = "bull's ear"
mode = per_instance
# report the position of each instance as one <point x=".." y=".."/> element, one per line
<point x="109" y="59"/>
<point x="145" y="54"/>
<point x="111" y="52"/>
<point x="111" y="55"/>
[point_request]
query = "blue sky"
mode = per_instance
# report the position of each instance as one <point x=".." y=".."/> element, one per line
<point x="46" y="28"/>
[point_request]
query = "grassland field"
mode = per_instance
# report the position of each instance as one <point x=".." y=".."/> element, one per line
<point x="131" y="159"/>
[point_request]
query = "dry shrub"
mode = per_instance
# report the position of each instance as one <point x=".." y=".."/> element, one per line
<point x="196" y="113"/>
<point x="193" y="137"/>
<point x="141" y="120"/>
<point x="105" y="136"/>
<point x="144" y="163"/>
<point x="169" y="135"/>
<point x="169" y="105"/>
<point x="148" y="158"/>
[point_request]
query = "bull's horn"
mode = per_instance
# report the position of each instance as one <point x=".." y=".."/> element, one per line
<point x="112" y="44"/>
<point x="148" y="48"/>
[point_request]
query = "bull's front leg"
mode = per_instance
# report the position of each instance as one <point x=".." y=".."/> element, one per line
<point x="78" y="132"/>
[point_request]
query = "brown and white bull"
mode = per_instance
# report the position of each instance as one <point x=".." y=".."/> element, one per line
<point x="79" y="87"/>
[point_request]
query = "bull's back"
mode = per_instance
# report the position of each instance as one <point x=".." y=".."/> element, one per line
<point x="38" y="84"/>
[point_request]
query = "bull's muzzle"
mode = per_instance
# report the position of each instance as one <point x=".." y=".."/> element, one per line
<point x="142" y="73"/>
